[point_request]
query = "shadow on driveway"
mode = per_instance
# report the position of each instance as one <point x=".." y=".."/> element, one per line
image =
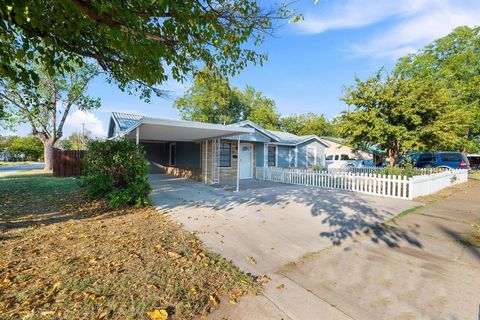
<point x="339" y="214"/>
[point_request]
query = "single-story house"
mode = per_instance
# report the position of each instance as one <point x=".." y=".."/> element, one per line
<point x="338" y="146"/>
<point x="211" y="152"/>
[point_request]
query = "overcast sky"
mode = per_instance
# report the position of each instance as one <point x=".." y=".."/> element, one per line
<point x="310" y="62"/>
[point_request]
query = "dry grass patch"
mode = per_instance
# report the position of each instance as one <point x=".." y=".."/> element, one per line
<point x="103" y="264"/>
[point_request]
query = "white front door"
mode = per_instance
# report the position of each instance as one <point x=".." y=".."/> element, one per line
<point x="246" y="159"/>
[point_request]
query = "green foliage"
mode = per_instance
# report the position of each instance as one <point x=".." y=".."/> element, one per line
<point x="318" y="168"/>
<point x="260" y="109"/>
<point x="406" y="170"/>
<point x="30" y="146"/>
<point x="139" y="44"/>
<point x="211" y="99"/>
<point x="5" y="141"/>
<point x="117" y="170"/>
<point x="400" y="114"/>
<point x="309" y="123"/>
<point x="76" y="141"/>
<point x="452" y="62"/>
<point x="46" y="105"/>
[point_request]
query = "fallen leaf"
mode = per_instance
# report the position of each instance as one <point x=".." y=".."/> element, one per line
<point x="157" y="314"/>
<point x="251" y="260"/>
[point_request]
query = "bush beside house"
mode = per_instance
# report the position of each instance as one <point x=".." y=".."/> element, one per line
<point x="118" y="171"/>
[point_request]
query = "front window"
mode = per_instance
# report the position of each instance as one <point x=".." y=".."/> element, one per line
<point x="225" y="154"/>
<point x="272" y="156"/>
<point x="330" y="157"/>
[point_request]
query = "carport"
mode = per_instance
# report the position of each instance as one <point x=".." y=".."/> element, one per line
<point x="182" y="148"/>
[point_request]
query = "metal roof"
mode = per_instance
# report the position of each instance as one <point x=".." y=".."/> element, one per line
<point x="154" y="128"/>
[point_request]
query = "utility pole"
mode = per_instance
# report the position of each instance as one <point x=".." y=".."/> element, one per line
<point x="83" y="136"/>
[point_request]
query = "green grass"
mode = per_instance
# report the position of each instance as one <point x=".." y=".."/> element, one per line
<point x="473" y="240"/>
<point x="28" y="196"/>
<point x="401" y="214"/>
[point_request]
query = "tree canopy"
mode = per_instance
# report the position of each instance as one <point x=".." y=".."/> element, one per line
<point x="400" y="114"/>
<point x="46" y="106"/>
<point x="212" y="99"/>
<point x="31" y="147"/>
<point x="138" y="43"/>
<point x="76" y="141"/>
<point x="308" y="123"/>
<point x="453" y="63"/>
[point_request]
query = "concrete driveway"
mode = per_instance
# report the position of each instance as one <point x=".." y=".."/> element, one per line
<point x="266" y="227"/>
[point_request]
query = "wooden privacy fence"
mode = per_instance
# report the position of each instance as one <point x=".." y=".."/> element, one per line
<point x="370" y="183"/>
<point x="67" y="163"/>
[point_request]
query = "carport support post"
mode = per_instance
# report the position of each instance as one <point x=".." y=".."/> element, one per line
<point x="137" y="137"/>
<point x="238" y="164"/>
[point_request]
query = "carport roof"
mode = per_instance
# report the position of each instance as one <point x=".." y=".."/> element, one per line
<point x="161" y="129"/>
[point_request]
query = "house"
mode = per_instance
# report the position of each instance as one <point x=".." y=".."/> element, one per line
<point x="338" y="146"/>
<point x="212" y="152"/>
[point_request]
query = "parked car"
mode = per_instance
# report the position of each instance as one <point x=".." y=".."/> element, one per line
<point x="474" y="160"/>
<point x="342" y="161"/>
<point x="450" y="160"/>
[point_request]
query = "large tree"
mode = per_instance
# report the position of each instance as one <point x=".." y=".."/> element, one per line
<point x="260" y="109"/>
<point x="138" y="43"/>
<point x="212" y="99"/>
<point x="46" y="106"/>
<point x="308" y="123"/>
<point x="30" y="147"/>
<point x="401" y="114"/>
<point x="452" y="62"/>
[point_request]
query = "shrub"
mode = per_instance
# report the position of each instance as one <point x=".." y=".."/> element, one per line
<point x="118" y="171"/>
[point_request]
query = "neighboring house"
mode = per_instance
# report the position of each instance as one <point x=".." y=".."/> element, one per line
<point x="5" y="155"/>
<point x="210" y="152"/>
<point x="338" y="146"/>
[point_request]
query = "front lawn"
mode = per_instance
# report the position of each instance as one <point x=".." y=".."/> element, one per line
<point x="67" y="258"/>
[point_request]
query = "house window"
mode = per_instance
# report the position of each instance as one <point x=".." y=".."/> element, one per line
<point x="225" y="155"/>
<point x="272" y="156"/>
<point x="173" y="154"/>
<point x="311" y="156"/>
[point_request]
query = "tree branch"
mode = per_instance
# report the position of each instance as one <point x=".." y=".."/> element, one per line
<point x="87" y="9"/>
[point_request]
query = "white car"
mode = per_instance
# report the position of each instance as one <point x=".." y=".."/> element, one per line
<point x="342" y="161"/>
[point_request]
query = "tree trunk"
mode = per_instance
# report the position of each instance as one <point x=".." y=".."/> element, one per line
<point x="48" y="154"/>
<point x="391" y="157"/>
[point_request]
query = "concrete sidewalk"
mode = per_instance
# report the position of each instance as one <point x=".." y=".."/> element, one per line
<point x="437" y="279"/>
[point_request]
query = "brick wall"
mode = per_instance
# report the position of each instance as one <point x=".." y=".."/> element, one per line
<point x="229" y="173"/>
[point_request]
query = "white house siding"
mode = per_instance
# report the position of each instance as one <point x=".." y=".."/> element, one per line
<point x="337" y="148"/>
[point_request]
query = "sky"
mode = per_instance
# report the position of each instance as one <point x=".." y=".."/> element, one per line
<point x="310" y="62"/>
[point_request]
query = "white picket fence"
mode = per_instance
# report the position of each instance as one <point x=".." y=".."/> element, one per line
<point x="373" y="169"/>
<point x="427" y="184"/>
<point x="370" y="183"/>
